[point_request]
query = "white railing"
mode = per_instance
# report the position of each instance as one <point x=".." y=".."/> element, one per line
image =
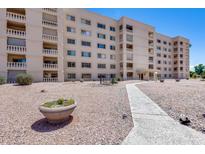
<point x="50" y="51"/>
<point x="50" y="37"/>
<point x="21" y="49"/>
<point x="128" y="30"/>
<point x="16" y="32"/>
<point x="50" y="66"/>
<point x="129" y="68"/>
<point x="49" y="23"/>
<point x="16" y="64"/>
<point x="50" y="79"/>
<point x="128" y="49"/>
<point x="15" y="16"/>
<point x="50" y="9"/>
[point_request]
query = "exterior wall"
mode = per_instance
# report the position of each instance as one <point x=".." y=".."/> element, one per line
<point x="129" y="64"/>
<point x="3" y="53"/>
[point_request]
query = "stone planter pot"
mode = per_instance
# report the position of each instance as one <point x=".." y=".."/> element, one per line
<point x="161" y="80"/>
<point x="58" y="114"/>
<point x="177" y="80"/>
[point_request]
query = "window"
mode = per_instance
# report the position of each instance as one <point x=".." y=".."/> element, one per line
<point x="158" y="68"/>
<point x="101" y="56"/>
<point x="112" y="75"/>
<point x="70" y="17"/>
<point x="129" y="38"/>
<point x="71" y="53"/>
<point x="121" y="27"/>
<point x="113" y="57"/>
<point x="85" y="21"/>
<point x="86" y="65"/>
<point x="85" y="43"/>
<point x="121" y="37"/>
<point x="85" y="54"/>
<point x="112" y="38"/>
<point x="112" y="28"/>
<point x="129" y="46"/>
<point x="112" y="47"/>
<point x="164" y="42"/>
<point x="85" y="32"/>
<point x="71" y="76"/>
<point x="181" y="56"/>
<point x="159" y="62"/>
<point x="181" y="68"/>
<point x="158" y="55"/>
<point x="102" y="26"/>
<point x="101" y="76"/>
<point x="151" y="66"/>
<point x="86" y="76"/>
<point x="181" y="49"/>
<point x="112" y="66"/>
<point x="101" y="46"/>
<point x="102" y="66"/>
<point x="175" y="43"/>
<point x="71" y="64"/>
<point x="181" y="62"/>
<point x="158" y="48"/>
<point x="71" y="29"/>
<point x="175" y="49"/>
<point x="165" y="56"/>
<point x="165" y="49"/>
<point x="129" y="28"/>
<point x="181" y="43"/>
<point x="70" y="41"/>
<point x="102" y="36"/>
<point x="158" y="41"/>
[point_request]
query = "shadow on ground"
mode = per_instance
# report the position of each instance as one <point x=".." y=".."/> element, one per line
<point x="43" y="125"/>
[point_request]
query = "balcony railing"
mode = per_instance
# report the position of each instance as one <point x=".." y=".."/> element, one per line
<point x="20" y="49"/>
<point x="50" y="37"/>
<point x="21" y="65"/>
<point x="50" y="79"/>
<point x="129" y="68"/>
<point x="50" y="66"/>
<point x="16" y="32"/>
<point x="50" y="51"/>
<point x="128" y="30"/>
<point x="49" y="23"/>
<point x="15" y="16"/>
<point x="129" y="49"/>
<point x="50" y="10"/>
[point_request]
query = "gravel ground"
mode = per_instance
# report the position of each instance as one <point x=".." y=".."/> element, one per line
<point x="186" y="97"/>
<point x="96" y="120"/>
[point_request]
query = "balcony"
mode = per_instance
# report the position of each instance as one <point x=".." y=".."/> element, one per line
<point x="50" y="37"/>
<point x="17" y="49"/>
<point x="16" y="65"/>
<point x="50" y="66"/>
<point x="17" y="33"/>
<point x="50" y="10"/>
<point x="50" y="79"/>
<point x="16" y="16"/>
<point x="50" y="51"/>
<point x="49" y="23"/>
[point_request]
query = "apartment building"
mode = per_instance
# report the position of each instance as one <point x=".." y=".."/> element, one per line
<point x="71" y="44"/>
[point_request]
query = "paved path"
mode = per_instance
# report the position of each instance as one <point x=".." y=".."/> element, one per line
<point x="153" y="126"/>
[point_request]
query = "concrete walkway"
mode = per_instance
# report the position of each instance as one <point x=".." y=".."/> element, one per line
<point x="153" y="126"/>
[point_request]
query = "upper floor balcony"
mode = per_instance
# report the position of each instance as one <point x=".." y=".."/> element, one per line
<point x="50" y="10"/>
<point x="16" y="65"/>
<point x="49" y="23"/>
<point x="50" y="66"/>
<point x="50" y="51"/>
<point x="50" y="37"/>
<point x="16" y="33"/>
<point x="16" y="15"/>
<point x="16" y="49"/>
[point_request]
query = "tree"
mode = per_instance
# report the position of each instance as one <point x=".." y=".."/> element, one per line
<point x="203" y="75"/>
<point x="199" y="69"/>
<point x="192" y="74"/>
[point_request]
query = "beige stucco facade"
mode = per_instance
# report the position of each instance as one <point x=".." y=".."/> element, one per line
<point x="71" y="44"/>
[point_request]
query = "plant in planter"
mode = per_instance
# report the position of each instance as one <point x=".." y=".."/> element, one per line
<point x="24" y="79"/>
<point x="177" y="80"/>
<point x="114" y="81"/>
<point x="59" y="110"/>
<point x="2" y="80"/>
<point x="161" y="80"/>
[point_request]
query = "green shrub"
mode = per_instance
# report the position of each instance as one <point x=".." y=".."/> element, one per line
<point x="203" y="75"/>
<point x="114" y="81"/>
<point x="118" y="79"/>
<point x="24" y="79"/>
<point x="58" y="103"/>
<point x="2" y="80"/>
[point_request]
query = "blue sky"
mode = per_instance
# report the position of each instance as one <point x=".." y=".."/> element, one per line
<point x="186" y="22"/>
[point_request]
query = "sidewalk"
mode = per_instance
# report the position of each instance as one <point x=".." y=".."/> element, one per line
<point x="153" y="126"/>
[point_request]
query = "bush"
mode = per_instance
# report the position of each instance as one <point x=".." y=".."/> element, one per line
<point x="2" y="80"/>
<point x="118" y="79"/>
<point x="114" y="81"/>
<point x="59" y="103"/>
<point x="203" y="75"/>
<point x="24" y="79"/>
